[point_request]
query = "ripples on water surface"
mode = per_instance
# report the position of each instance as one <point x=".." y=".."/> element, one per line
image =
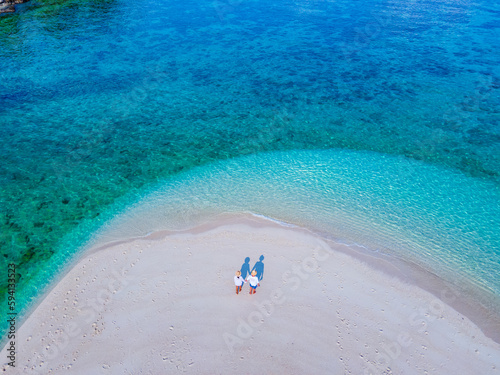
<point x="441" y="220"/>
<point x="102" y="100"/>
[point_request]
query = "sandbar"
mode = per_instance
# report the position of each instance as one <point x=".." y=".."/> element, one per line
<point x="166" y="304"/>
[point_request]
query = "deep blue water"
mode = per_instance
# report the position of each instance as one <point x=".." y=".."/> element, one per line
<point x="101" y="102"/>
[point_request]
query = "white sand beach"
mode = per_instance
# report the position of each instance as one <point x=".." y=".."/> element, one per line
<point x="167" y="304"/>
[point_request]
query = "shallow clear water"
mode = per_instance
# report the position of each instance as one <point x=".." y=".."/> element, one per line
<point x="438" y="219"/>
<point x="101" y="101"/>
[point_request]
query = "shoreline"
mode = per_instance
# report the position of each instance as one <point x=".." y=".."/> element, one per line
<point x="405" y="271"/>
<point x="395" y="273"/>
<point x="323" y="205"/>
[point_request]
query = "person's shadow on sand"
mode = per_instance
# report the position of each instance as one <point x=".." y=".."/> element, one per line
<point x="259" y="268"/>
<point x="245" y="268"/>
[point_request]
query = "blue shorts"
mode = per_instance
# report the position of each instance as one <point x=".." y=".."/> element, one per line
<point x="254" y="287"/>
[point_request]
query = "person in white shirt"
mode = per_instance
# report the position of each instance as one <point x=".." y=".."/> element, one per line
<point x="254" y="282"/>
<point x="238" y="281"/>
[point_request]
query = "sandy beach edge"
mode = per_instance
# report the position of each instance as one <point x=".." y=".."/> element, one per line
<point x="393" y="268"/>
<point x="469" y="299"/>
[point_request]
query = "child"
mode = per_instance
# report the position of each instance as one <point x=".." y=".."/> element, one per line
<point x="238" y="281"/>
<point x="254" y="282"/>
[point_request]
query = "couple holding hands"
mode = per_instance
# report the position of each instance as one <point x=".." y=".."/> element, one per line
<point x="253" y="278"/>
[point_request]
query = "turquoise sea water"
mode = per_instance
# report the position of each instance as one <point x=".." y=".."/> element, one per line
<point x="439" y="219"/>
<point x="395" y="106"/>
